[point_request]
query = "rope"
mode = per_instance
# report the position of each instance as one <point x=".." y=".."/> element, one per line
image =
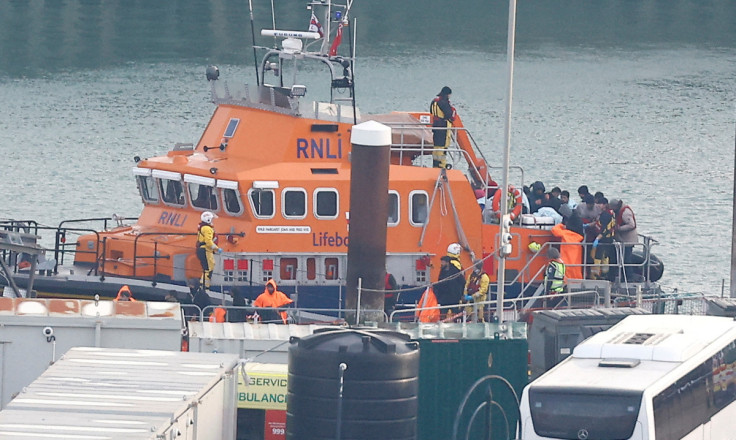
<point x="458" y="226"/>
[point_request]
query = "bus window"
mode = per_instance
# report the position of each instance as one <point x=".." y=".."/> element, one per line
<point x="564" y="412"/>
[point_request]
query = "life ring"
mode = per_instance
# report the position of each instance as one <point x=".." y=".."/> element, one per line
<point x="516" y="195"/>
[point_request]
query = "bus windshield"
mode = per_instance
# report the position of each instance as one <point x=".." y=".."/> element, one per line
<point x="584" y="414"/>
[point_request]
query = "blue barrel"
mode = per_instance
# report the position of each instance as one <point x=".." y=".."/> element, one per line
<point x="380" y="385"/>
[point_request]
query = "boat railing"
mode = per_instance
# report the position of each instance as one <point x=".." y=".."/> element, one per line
<point x="408" y="149"/>
<point x="266" y="315"/>
<point x="279" y="100"/>
<point x="25" y="226"/>
<point x="525" y="278"/>
<point x="513" y="308"/>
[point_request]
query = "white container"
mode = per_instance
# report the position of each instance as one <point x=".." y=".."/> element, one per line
<point x="531" y="221"/>
<point x="99" y="393"/>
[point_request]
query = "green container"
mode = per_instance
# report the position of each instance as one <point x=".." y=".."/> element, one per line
<point x="447" y="370"/>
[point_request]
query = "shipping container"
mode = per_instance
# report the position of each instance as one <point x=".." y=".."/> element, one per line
<point x="101" y="394"/>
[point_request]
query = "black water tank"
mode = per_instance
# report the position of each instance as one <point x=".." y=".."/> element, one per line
<point x="379" y="393"/>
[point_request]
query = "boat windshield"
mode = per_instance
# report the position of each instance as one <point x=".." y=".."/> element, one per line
<point x="592" y="414"/>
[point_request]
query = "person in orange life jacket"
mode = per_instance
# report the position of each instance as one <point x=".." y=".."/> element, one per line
<point x="571" y="232"/>
<point x="476" y="290"/>
<point x="389" y="297"/>
<point x="218" y="315"/>
<point x="443" y="113"/>
<point x="272" y="297"/>
<point x="450" y="283"/>
<point x="124" y="294"/>
<point x="625" y="232"/>
<point x="603" y="243"/>
<point x="206" y="247"/>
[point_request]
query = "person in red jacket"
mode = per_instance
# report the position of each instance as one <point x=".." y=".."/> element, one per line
<point x="272" y="297"/>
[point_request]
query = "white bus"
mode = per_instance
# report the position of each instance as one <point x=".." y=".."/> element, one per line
<point x="663" y="377"/>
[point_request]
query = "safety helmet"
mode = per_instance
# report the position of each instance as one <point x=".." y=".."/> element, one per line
<point x="454" y="249"/>
<point x="535" y="247"/>
<point x="207" y="217"/>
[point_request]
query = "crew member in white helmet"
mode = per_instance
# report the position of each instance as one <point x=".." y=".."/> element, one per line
<point x="451" y="283"/>
<point x="206" y="247"/>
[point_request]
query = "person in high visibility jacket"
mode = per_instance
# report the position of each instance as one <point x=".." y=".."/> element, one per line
<point x="206" y="247"/>
<point x="443" y="113"/>
<point x="554" y="276"/>
<point x="476" y="290"/>
<point x="124" y="294"/>
<point x="272" y="297"/>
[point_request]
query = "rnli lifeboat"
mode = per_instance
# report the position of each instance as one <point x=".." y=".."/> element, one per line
<point x="275" y="167"/>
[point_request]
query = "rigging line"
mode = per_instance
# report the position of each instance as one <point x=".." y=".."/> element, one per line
<point x="458" y="224"/>
<point x="437" y="184"/>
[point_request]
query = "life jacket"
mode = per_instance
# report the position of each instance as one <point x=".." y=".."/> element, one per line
<point x="474" y="282"/>
<point x="558" y="278"/>
<point x="620" y="215"/>
<point x="607" y="230"/>
<point x="202" y="236"/>
<point x="438" y="115"/>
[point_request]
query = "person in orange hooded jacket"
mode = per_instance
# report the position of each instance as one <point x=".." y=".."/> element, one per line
<point x="124" y="294"/>
<point x="272" y="297"/>
<point x="570" y="234"/>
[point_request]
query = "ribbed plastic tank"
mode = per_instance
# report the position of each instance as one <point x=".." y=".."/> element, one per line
<point x="380" y="386"/>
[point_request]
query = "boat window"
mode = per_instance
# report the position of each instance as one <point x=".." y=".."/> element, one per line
<point x="288" y="268"/>
<point x="262" y="202"/>
<point x="325" y="203"/>
<point x="393" y="208"/>
<point x="294" y="203"/>
<point x="231" y="127"/>
<point x="203" y="196"/>
<point x="565" y="412"/>
<point x="231" y="201"/>
<point x="332" y="271"/>
<point x="147" y="188"/>
<point x="172" y="192"/>
<point x="418" y="207"/>
<point x="311" y="268"/>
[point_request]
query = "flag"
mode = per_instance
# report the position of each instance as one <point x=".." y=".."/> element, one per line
<point x="316" y="26"/>
<point x="336" y="42"/>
